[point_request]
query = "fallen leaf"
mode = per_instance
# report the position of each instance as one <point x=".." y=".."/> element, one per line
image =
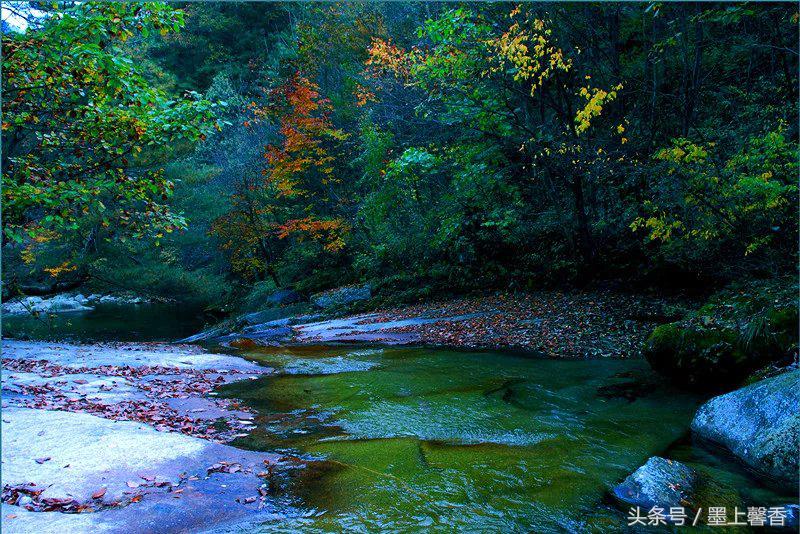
<point x="99" y="493"/>
<point x="42" y="460"/>
<point x="132" y="484"/>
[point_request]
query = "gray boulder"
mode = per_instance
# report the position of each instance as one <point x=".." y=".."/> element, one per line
<point x="760" y="424"/>
<point x="62" y="303"/>
<point x="286" y="321"/>
<point x="667" y="483"/>
<point x="659" y="482"/>
<point x="205" y="335"/>
<point x="274" y="334"/>
<point x="341" y="296"/>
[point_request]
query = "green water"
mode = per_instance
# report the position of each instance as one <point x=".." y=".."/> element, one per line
<point x="419" y="439"/>
<point x="108" y="322"/>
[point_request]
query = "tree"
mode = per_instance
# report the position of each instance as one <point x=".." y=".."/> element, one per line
<point x="83" y="133"/>
<point x="295" y="188"/>
<point x="511" y="84"/>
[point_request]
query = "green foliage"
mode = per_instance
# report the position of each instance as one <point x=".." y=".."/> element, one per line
<point x="737" y="332"/>
<point x="83" y="131"/>
<point x="425" y="148"/>
<point x="742" y="203"/>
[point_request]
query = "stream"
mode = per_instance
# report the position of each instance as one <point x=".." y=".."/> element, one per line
<point x="411" y="439"/>
<point x="467" y="441"/>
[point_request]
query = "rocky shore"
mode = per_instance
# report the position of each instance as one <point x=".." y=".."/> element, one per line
<point x="601" y="324"/>
<point x="129" y="430"/>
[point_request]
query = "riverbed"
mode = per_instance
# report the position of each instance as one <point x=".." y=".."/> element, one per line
<point x="419" y="439"/>
<point x="468" y="441"/>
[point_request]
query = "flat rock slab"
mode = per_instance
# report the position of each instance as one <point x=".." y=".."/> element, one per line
<point x="132" y="355"/>
<point x="168" y="386"/>
<point x="370" y="328"/>
<point x="85" y="454"/>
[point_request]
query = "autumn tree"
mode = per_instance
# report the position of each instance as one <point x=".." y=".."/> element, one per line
<point x="292" y="197"/>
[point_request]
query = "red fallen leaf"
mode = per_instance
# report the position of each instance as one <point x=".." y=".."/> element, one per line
<point x="11" y="516"/>
<point x="136" y="498"/>
<point x="81" y="381"/>
<point x="148" y="478"/>
<point x="249" y="500"/>
<point x="42" y="460"/>
<point x="99" y="493"/>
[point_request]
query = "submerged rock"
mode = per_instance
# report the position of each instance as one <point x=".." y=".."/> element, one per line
<point x="666" y="484"/>
<point x="341" y="296"/>
<point x="760" y="424"/>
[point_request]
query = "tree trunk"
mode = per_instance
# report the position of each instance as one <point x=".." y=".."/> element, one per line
<point x="584" y="236"/>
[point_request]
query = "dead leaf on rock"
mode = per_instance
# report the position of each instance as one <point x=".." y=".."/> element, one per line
<point x="99" y="493"/>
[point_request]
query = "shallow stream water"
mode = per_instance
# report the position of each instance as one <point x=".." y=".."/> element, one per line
<point x="421" y="439"/>
<point x="108" y="322"/>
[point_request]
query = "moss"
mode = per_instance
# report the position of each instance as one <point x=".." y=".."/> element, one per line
<point x="704" y="358"/>
<point x="737" y="332"/>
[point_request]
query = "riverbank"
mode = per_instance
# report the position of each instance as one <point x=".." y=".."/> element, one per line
<point x="597" y="324"/>
<point x="132" y="431"/>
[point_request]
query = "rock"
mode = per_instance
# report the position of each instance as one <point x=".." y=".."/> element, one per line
<point x="259" y="317"/>
<point x="286" y="321"/>
<point x="792" y="516"/>
<point x="659" y="482"/>
<point x="121" y="300"/>
<point x="205" y="335"/>
<point x="92" y="456"/>
<point x="341" y="296"/>
<point x="285" y="296"/>
<point x="667" y="483"/>
<point x="698" y="357"/>
<point x="281" y="334"/>
<point x="760" y="424"/>
<point x="57" y="304"/>
<point x="133" y="355"/>
<point x="309" y="318"/>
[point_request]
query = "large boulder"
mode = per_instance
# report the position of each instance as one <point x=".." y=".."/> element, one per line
<point x="717" y="353"/>
<point x="341" y="296"/>
<point x="205" y="335"/>
<point x="760" y="424"/>
<point x="666" y="484"/>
